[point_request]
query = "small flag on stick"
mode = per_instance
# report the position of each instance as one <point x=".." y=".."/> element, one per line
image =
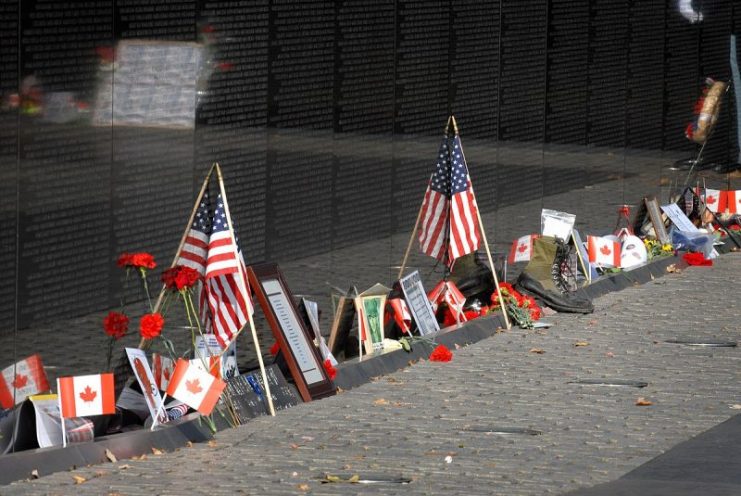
<point x="449" y="217"/>
<point x="86" y="395"/>
<point x="603" y="251"/>
<point x="195" y="387"/>
<point x="22" y="379"/>
<point x="522" y="249"/>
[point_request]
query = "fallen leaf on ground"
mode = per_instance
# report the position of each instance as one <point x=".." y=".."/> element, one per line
<point x="212" y="443"/>
<point x="294" y="446"/>
<point x="381" y="401"/>
<point x="140" y="457"/>
<point x="735" y="407"/>
<point x="579" y="344"/>
<point x="189" y="444"/>
<point x="35" y="473"/>
<point x="641" y="401"/>
<point x="124" y="467"/>
<point x="111" y="457"/>
<point x="672" y="269"/>
<point x="156" y="451"/>
<point x="609" y="354"/>
<point x="592" y="322"/>
<point x="79" y="479"/>
<point x="539" y="351"/>
<point x="354" y="479"/>
<point x="304" y="487"/>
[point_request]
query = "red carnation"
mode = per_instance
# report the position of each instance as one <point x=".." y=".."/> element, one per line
<point x="441" y="354"/>
<point x="150" y="325"/>
<point x="116" y="324"/>
<point x="124" y="259"/>
<point x="143" y="261"/>
<point x="180" y="277"/>
<point x="331" y="371"/>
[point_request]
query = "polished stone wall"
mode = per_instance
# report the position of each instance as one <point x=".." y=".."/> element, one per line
<point x="324" y="114"/>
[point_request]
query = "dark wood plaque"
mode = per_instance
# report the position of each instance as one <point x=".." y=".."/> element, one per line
<point x="295" y="341"/>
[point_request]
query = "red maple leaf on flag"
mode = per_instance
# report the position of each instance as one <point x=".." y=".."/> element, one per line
<point x="522" y="248"/>
<point x="19" y="381"/>
<point x="605" y="250"/>
<point x="193" y="386"/>
<point x="710" y="200"/>
<point x="88" y="395"/>
<point x="166" y="373"/>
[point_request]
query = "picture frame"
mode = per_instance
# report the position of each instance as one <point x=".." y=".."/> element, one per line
<point x="296" y="342"/>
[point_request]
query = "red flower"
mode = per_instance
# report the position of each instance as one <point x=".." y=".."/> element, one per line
<point x="696" y="259"/>
<point x="331" y="371"/>
<point x="275" y="349"/>
<point x="143" y="260"/>
<point x="689" y="130"/>
<point x="471" y="314"/>
<point x="180" y="277"/>
<point x="116" y="325"/>
<point x="124" y="259"/>
<point x="140" y="260"/>
<point x="150" y="325"/>
<point x="441" y="354"/>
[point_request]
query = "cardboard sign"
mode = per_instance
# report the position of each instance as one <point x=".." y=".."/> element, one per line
<point x="143" y="374"/>
<point x="419" y="306"/>
<point x="295" y="341"/>
<point x="654" y="214"/>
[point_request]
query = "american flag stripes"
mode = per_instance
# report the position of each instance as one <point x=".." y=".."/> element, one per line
<point x="226" y="286"/>
<point x="209" y="248"/>
<point x="449" y="216"/>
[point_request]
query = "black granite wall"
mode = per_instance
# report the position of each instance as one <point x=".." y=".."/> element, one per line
<point x="325" y="116"/>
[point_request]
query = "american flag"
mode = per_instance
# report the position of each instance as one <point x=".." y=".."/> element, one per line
<point x="195" y="248"/>
<point x="208" y="248"/>
<point x="450" y="217"/>
<point x="227" y="290"/>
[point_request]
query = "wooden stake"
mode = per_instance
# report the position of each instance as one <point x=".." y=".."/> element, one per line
<point x="241" y="280"/>
<point x="486" y="244"/>
<point x="145" y="343"/>
<point x="411" y="238"/>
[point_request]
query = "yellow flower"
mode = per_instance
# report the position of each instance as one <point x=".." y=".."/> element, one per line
<point x="667" y="247"/>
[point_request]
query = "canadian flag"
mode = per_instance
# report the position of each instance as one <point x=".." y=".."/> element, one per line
<point x="21" y="380"/>
<point x="162" y="368"/>
<point x="522" y="249"/>
<point x="715" y="200"/>
<point x="195" y="387"/>
<point x="85" y="395"/>
<point x="603" y="251"/>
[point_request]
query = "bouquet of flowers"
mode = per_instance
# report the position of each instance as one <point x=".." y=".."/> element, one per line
<point x="521" y="308"/>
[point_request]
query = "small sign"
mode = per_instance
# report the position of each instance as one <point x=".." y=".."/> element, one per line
<point x="679" y="218"/>
<point x="419" y="305"/>
<point x="207" y="347"/>
<point x="143" y="374"/>
<point x="247" y="393"/>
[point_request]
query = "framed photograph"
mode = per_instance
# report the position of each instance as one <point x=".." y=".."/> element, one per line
<point x="295" y="340"/>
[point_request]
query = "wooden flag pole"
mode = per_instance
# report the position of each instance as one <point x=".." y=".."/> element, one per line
<point x="486" y="243"/>
<point x="144" y="343"/>
<point x="241" y="280"/>
<point x="419" y="217"/>
<point x="411" y="238"/>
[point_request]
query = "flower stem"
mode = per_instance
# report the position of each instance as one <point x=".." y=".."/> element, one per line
<point x="143" y="273"/>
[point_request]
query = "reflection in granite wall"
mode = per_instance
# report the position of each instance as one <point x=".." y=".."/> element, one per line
<point x="8" y="161"/>
<point x="325" y="115"/>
